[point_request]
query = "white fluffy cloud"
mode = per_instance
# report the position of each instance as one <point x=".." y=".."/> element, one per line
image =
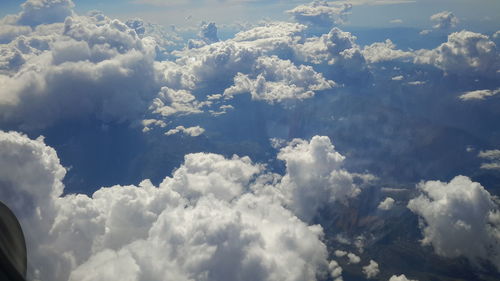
<point x="401" y="277"/>
<point x="265" y="77"/>
<point x="214" y="63"/>
<point x="273" y="38"/>
<point x="384" y="51"/>
<point x="279" y="80"/>
<point x="314" y="176"/>
<point x="327" y="48"/>
<point x="465" y="53"/>
<point x="479" y="94"/>
<point x="190" y="131"/>
<point x="444" y="20"/>
<point x="338" y="49"/>
<point x="9" y="32"/>
<point x="208" y="33"/>
<point x="35" y="12"/>
<point x="148" y="124"/>
<point x="88" y="66"/>
<point x="271" y="30"/>
<point x="493" y="156"/>
<point x="339" y="253"/>
<point x="321" y="13"/>
<point x="371" y="270"/>
<point x="335" y="271"/>
<point x="461" y="219"/>
<point x="353" y="258"/>
<point x="203" y="223"/>
<point x="180" y="102"/>
<point x="31" y="185"/>
<point x="386" y="204"/>
<point x="203" y="174"/>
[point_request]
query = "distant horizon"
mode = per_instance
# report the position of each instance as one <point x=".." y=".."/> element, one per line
<point x="365" y="14"/>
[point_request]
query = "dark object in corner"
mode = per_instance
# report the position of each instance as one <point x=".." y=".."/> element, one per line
<point x="13" y="258"/>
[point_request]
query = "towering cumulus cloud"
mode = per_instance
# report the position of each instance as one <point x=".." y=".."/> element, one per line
<point x="209" y="221"/>
<point x="465" y="53"/>
<point x="320" y="13"/>
<point x="314" y="176"/>
<point x="86" y="66"/>
<point x="279" y="80"/>
<point x="35" y="12"/>
<point x="461" y="219"/>
<point x="444" y="20"/>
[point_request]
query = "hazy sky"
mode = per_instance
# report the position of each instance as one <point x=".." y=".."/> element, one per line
<point x="481" y="14"/>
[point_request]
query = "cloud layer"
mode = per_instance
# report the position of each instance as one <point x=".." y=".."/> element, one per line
<point x="461" y="219"/>
<point x="214" y="219"/>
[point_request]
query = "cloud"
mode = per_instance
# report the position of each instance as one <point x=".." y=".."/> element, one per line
<point x="31" y="183"/>
<point x="371" y="270"/>
<point x="203" y="223"/>
<point x="271" y="30"/>
<point x="243" y="64"/>
<point x="191" y="131"/>
<point x="425" y="32"/>
<point x="490" y="154"/>
<point x="278" y="80"/>
<point x="340" y="253"/>
<point x="175" y="102"/>
<point x="335" y="271"/>
<point x="384" y="51"/>
<point x="216" y="63"/>
<point x="354" y="259"/>
<point x="338" y="49"/>
<point x="465" y="53"/>
<point x="163" y="36"/>
<point x="147" y="124"/>
<point x="460" y="218"/>
<point x="387" y="204"/>
<point x="444" y="20"/>
<point x="321" y="13"/>
<point x="314" y="176"/>
<point x="401" y="277"/>
<point x="35" y="12"/>
<point x="203" y="174"/>
<point x="478" y="94"/>
<point x="273" y="38"/>
<point x="416" y="83"/>
<point x="10" y="32"/>
<point x="327" y="48"/>
<point x="493" y="156"/>
<point x="88" y="66"/>
<point x="208" y="33"/>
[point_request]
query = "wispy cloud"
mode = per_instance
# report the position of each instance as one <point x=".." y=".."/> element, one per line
<point x="478" y="94"/>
